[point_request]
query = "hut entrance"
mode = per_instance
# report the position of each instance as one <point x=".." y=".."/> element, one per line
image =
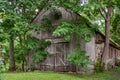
<point x="60" y="57"/>
<point x="57" y="60"/>
<point x="61" y="52"/>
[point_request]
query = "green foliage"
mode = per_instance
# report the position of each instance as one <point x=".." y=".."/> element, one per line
<point x="79" y="58"/>
<point x="118" y="62"/>
<point x="16" y="18"/>
<point x="16" y="15"/>
<point x="40" y="55"/>
<point x="1" y="65"/>
<point x="40" y="52"/>
<point x="68" y="29"/>
<point x="115" y="30"/>
<point x="87" y="11"/>
<point x="16" y="22"/>
<point x="99" y="67"/>
<point x="29" y="44"/>
<point x="93" y="11"/>
<point x="46" y="24"/>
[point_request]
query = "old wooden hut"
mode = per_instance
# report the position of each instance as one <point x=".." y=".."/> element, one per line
<point x="59" y="48"/>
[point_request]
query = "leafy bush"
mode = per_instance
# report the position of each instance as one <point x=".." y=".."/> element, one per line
<point x="2" y="67"/>
<point x="79" y="58"/>
<point x="40" y="55"/>
<point x="99" y="67"/>
<point x="40" y="52"/>
<point x="46" y="24"/>
<point x="69" y="28"/>
<point x="118" y="62"/>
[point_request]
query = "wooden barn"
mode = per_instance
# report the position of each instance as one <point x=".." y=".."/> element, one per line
<point x="59" y="48"/>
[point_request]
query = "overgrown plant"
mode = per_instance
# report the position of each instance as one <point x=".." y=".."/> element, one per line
<point x="83" y="31"/>
<point x="40" y="52"/>
<point x="99" y="67"/>
<point x="2" y="67"/>
<point x="79" y="58"/>
<point x="69" y="28"/>
<point x="16" y="21"/>
<point x="46" y="24"/>
<point x="118" y="62"/>
<point x="30" y="43"/>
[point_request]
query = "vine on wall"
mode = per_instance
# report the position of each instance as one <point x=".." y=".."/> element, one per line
<point x="79" y="58"/>
<point x="40" y="52"/>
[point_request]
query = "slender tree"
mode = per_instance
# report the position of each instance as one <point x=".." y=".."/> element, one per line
<point x="16" y="21"/>
<point x="107" y="10"/>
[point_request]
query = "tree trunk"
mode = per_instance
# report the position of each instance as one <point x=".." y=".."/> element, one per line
<point x="22" y="56"/>
<point x="23" y="65"/>
<point x="107" y="38"/>
<point x="12" y="61"/>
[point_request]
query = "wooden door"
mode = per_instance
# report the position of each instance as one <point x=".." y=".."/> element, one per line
<point x="62" y="50"/>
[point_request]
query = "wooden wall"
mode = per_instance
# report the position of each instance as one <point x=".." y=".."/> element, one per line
<point x="114" y="52"/>
<point x="67" y="15"/>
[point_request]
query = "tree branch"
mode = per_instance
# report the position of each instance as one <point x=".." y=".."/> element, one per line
<point x="102" y="13"/>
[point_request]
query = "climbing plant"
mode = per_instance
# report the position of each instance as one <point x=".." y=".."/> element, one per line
<point x="78" y="57"/>
<point x="40" y="52"/>
<point x="68" y="29"/>
<point x="46" y="24"/>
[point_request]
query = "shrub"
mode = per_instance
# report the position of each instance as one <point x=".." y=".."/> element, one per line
<point x="79" y="58"/>
<point x="40" y="52"/>
<point x="118" y="62"/>
<point x="2" y="67"/>
<point x="99" y="67"/>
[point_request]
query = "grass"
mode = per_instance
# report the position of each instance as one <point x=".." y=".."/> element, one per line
<point x="110" y="75"/>
<point x="39" y="76"/>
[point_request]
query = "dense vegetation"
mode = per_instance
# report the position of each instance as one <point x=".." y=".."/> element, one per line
<point x="16" y="26"/>
<point x="15" y="29"/>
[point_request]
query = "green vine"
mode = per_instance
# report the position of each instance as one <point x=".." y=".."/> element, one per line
<point x="46" y="24"/>
<point x="69" y="28"/>
<point x="99" y="67"/>
<point x="79" y="58"/>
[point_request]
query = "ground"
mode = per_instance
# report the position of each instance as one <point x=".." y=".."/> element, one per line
<point x="109" y="75"/>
